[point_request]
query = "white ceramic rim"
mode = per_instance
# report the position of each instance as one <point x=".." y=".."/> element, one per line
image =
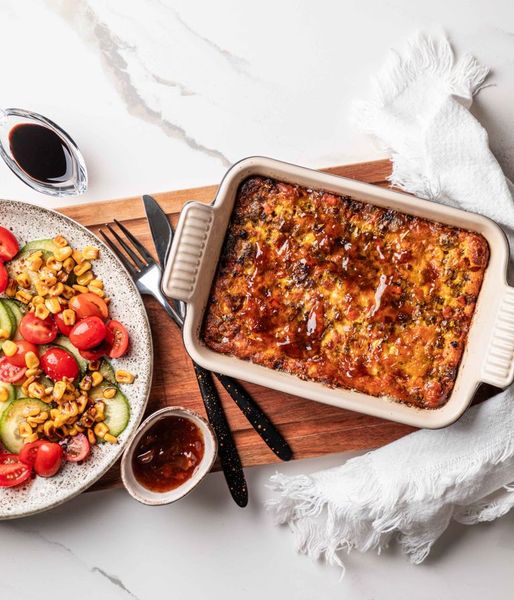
<point x="146" y="496"/>
<point x="489" y="353"/>
<point x="131" y="429"/>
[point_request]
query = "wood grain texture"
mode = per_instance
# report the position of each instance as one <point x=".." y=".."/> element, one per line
<point x="311" y="428"/>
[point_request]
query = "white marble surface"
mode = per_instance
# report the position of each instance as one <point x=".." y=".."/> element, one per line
<point x="163" y="94"/>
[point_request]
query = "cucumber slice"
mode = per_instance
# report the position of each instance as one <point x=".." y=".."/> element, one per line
<point x="17" y="312"/>
<point x="107" y="371"/>
<point x="11" y="391"/>
<point x="47" y="246"/>
<point x="11" y="419"/>
<point x="65" y="343"/>
<point x="117" y="409"/>
<point x="7" y="321"/>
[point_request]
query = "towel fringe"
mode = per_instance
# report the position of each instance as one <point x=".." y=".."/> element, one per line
<point x="367" y="515"/>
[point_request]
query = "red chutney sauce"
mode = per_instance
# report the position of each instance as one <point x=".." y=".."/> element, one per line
<point x="168" y="454"/>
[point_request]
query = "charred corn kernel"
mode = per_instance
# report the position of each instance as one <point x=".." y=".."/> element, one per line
<point x="97" y="283"/>
<point x="23" y="280"/>
<point x="54" y="413"/>
<point x="4" y="394"/>
<point x="82" y="268"/>
<point x="31" y="411"/>
<point x="69" y="316"/>
<point x="90" y="252"/>
<point x="100" y="430"/>
<point x="35" y="261"/>
<point x="80" y="288"/>
<point x="32" y="372"/>
<point x="109" y="392"/>
<point x="41" y="289"/>
<point x="31" y="438"/>
<point x="99" y="412"/>
<point x="110" y="438"/>
<point x="59" y="389"/>
<point x="86" y="278"/>
<point x="61" y="254"/>
<point x="96" y="290"/>
<point x="11" y="288"/>
<point x="60" y="241"/>
<point x="73" y="430"/>
<point x="86" y="383"/>
<point x="9" y="348"/>
<point x="94" y="365"/>
<point x="31" y="360"/>
<point x="49" y="428"/>
<point x="53" y="263"/>
<point x="57" y="289"/>
<point x="36" y="390"/>
<point x="79" y="428"/>
<point x="91" y="437"/>
<point x="124" y="377"/>
<point x="53" y="305"/>
<point x="4" y="334"/>
<point x="72" y="410"/>
<point x="62" y="276"/>
<point x="41" y="311"/>
<point x="47" y="279"/>
<point x="68" y="264"/>
<point x="82" y="402"/>
<point x="47" y="398"/>
<point x="38" y="419"/>
<point x="96" y="378"/>
<point x="49" y="389"/>
<point x="38" y="300"/>
<point x="25" y="429"/>
<point x="26" y="383"/>
<point x="77" y="256"/>
<point x="23" y="296"/>
<point x="68" y="292"/>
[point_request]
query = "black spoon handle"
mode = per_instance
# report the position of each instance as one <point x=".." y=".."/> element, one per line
<point x="227" y="451"/>
<point x="256" y="417"/>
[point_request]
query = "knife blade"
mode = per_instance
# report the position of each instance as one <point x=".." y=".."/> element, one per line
<point x="160" y="228"/>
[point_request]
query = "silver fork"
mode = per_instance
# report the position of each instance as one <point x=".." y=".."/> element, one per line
<point x="147" y="275"/>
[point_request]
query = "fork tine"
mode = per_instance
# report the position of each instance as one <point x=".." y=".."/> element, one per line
<point x="137" y="245"/>
<point x="135" y="258"/>
<point x="126" y="263"/>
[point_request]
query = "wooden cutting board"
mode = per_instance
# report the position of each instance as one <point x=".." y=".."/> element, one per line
<point x="311" y="428"/>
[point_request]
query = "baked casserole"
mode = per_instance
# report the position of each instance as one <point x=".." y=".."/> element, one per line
<point x="345" y="293"/>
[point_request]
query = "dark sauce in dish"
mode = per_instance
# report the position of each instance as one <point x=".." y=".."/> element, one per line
<point x="41" y="153"/>
<point x="168" y="454"/>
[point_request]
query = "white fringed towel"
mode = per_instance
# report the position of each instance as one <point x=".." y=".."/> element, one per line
<point x="411" y="489"/>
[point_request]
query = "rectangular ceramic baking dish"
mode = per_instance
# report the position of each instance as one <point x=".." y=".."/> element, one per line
<point x="489" y="353"/>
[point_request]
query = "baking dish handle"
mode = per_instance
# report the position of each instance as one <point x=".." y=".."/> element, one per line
<point x="189" y="244"/>
<point x="498" y="368"/>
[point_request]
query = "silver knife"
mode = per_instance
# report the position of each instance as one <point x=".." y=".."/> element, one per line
<point x="162" y="234"/>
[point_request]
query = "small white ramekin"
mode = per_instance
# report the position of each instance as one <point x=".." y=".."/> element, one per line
<point x="143" y="494"/>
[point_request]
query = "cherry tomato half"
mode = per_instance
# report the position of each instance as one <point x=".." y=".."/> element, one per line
<point x="120" y="339"/>
<point x="89" y="305"/>
<point x="8" y="244"/>
<point x="45" y="457"/>
<point x="13" y="471"/>
<point x="4" y="278"/>
<point x="103" y="349"/>
<point x="57" y="363"/>
<point x="10" y="373"/>
<point x="77" y="448"/>
<point x="88" y="333"/>
<point x="38" y="331"/>
<point x="23" y="346"/>
<point x="61" y="325"/>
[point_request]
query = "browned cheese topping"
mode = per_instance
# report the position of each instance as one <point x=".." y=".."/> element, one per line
<point x="345" y="293"/>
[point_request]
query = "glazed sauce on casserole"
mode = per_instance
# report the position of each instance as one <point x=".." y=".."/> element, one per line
<point x="345" y="293"/>
<point x="168" y="454"/>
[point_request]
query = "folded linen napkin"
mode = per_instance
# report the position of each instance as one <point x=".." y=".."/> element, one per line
<point x="411" y="489"/>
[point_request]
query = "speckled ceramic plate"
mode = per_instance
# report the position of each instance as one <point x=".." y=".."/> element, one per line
<point x="29" y="222"/>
